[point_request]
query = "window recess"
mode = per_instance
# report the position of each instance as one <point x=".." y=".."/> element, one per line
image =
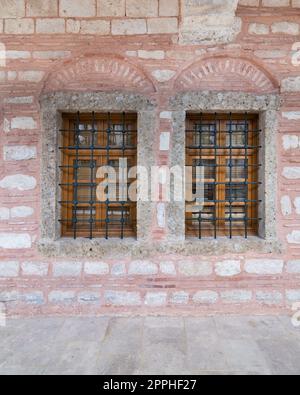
<point x="227" y="147"/>
<point x="88" y="142"/>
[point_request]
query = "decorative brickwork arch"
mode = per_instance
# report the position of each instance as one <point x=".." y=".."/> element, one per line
<point x="99" y="74"/>
<point x="225" y="74"/>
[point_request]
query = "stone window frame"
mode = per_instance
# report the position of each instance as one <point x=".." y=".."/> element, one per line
<point x="267" y="107"/>
<point x="53" y="105"/>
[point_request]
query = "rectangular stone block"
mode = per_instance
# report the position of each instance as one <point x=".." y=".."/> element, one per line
<point x="38" y="269"/>
<point x="144" y="268"/>
<point x="77" y="8"/>
<point x="156" y="299"/>
<point x="269" y="298"/>
<point x="293" y="267"/>
<point x="67" y="269"/>
<point x="50" y="26"/>
<point x="12" y="8"/>
<point x="236" y="296"/>
<point x="64" y="297"/>
<point x="23" y="123"/>
<point x="9" y="269"/>
<point x="122" y="298"/>
<point x="162" y="25"/>
<point x="141" y="8"/>
<point x="129" y="27"/>
<point x="19" y="26"/>
<point x="111" y="8"/>
<point x="33" y="298"/>
<point x="228" y="268"/>
<point x="42" y="8"/>
<point x="89" y="297"/>
<point x="19" y="152"/>
<point x="264" y="266"/>
<point x="96" y="268"/>
<point x="15" y="241"/>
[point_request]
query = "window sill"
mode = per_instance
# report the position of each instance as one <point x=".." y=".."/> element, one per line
<point x="135" y="249"/>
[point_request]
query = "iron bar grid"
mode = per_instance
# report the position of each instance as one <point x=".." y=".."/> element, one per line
<point x="89" y="141"/>
<point x="227" y="147"/>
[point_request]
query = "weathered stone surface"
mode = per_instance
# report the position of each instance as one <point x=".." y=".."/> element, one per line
<point x="236" y="296"/>
<point x="21" y="212"/>
<point x="122" y="298"/>
<point x="293" y="267"/>
<point x="34" y="298"/>
<point x="4" y="213"/>
<point x="286" y="205"/>
<point x="111" y="7"/>
<point x="161" y="215"/>
<point x="269" y="297"/>
<point x="190" y="268"/>
<point x="23" y="123"/>
<point x="156" y="299"/>
<point x="77" y="8"/>
<point x="143" y="268"/>
<point x="39" y="269"/>
<point x="50" y="26"/>
<point x="19" y="152"/>
<point x="163" y="75"/>
<point x="9" y="269"/>
<point x="168" y="7"/>
<point x="129" y="27"/>
<point x="15" y="241"/>
<point x="89" y="297"/>
<point x="41" y="8"/>
<point x="291" y="115"/>
<point x="205" y="297"/>
<point x="208" y="22"/>
<point x="162" y="25"/>
<point x="286" y="28"/>
<point x="291" y="173"/>
<point x="19" y="26"/>
<point x="118" y="269"/>
<point x="33" y="76"/>
<point x="179" y="298"/>
<point x="293" y="295"/>
<point x="9" y="296"/>
<point x="294" y="237"/>
<point x="168" y="268"/>
<point x="164" y="142"/>
<point x="12" y="8"/>
<point x="259" y="28"/>
<point x="67" y="269"/>
<point x="264" y="266"/>
<point x="96" y="268"/>
<point x="95" y="27"/>
<point x="290" y="84"/>
<point x="290" y="142"/>
<point x="228" y="268"/>
<point x="157" y="55"/>
<point x="64" y="297"/>
<point x="18" y="181"/>
<point x="141" y="8"/>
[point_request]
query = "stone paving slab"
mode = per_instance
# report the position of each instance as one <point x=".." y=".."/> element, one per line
<point x="225" y="345"/>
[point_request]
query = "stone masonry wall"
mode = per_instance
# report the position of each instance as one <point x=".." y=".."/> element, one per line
<point x="151" y="48"/>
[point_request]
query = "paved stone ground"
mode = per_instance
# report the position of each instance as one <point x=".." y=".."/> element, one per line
<point x="150" y="345"/>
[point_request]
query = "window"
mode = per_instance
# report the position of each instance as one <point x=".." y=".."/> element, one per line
<point x="89" y="142"/>
<point x="227" y="147"/>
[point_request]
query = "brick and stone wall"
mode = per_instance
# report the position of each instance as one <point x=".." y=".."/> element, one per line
<point x="157" y="49"/>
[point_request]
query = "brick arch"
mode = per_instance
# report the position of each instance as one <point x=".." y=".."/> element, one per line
<point x="227" y="74"/>
<point x="99" y="74"/>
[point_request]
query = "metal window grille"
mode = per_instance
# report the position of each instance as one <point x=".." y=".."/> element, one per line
<point x="88" y="142"/>
<point x="227" y="147"/>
